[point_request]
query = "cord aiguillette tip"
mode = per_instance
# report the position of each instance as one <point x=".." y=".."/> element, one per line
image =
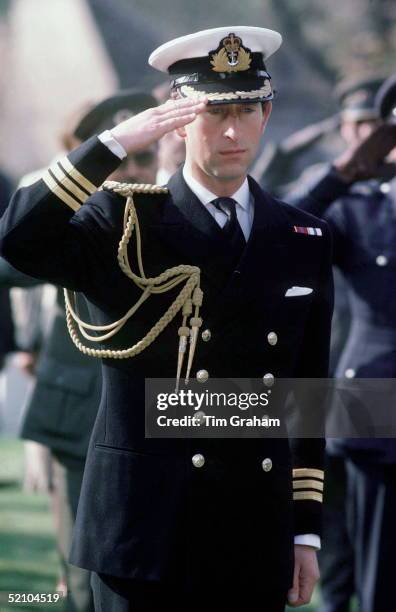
<point x="183" y="332"/>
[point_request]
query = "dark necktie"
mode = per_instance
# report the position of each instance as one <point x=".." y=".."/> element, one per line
<point x="231" y="229"/>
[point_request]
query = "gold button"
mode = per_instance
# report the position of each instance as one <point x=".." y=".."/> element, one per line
<point x="198" y="460"/>
<point x="206" y="335"/>
<point x="272" y="338"/>
<point x="202" y="376"/>
<point x="266" y="464"/>
<point x="268" y="379"/>
<point x="381" y="260"/>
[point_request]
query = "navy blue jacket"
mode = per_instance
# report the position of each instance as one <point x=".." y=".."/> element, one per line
<point x="146" y="511"/>
<point x="363" y="223"/>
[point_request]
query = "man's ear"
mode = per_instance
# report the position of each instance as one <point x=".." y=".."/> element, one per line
<point x="267" y="109"/>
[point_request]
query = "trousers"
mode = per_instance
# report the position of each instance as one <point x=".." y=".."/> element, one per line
<point x="112" y="594"/>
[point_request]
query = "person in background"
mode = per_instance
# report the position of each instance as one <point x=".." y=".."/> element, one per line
<point x="358" y="117"/>
<point x="140" y="167"/>
<point x="360" y="534"/>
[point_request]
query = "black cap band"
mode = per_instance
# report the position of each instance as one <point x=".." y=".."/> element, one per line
<point x="205" y="77"/>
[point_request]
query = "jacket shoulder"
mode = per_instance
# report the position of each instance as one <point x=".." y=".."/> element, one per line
<point x="110" y="201"/>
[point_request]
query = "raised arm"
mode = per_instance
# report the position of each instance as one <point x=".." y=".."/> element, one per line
<point x="39" y="232"/>
<point x="46" y="231"/>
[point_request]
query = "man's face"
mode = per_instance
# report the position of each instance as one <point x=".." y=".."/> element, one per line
<point x="223" y="141"/>
<point x="139" y="167"/>
<point x="354" y="132"/>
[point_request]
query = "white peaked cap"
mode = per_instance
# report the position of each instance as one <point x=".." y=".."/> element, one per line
<point x="199" y="44"/>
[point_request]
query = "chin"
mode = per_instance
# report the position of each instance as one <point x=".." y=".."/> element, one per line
<point x="232" y="172"/>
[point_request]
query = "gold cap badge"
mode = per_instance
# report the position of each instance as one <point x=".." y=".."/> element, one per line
<point x="231" y="55"/>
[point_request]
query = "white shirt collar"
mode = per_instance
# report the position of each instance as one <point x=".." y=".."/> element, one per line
<point x="241" y="196"/>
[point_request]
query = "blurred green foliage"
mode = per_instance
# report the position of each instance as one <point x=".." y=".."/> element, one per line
<point x="28" y="558"/>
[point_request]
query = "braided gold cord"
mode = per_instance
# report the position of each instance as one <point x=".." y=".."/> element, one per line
<point x="165" y="281"/>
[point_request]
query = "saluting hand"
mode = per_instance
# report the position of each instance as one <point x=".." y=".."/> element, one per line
<point x="149" y="126"/>
<point x="367" y="159"/>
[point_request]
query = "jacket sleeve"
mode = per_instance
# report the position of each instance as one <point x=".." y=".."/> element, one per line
<point x="310" y="396"/>
<point x="11" y="277"/>
<point x="42" y="233"/>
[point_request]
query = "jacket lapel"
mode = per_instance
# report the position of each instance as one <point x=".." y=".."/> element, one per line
<point x="189" y="229"/>
<point x="263" y="267"/>
<point x="268" y="239"/>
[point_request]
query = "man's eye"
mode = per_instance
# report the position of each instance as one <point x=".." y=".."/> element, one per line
<point x="248" y="109"/>
<point x="215" y="111"/>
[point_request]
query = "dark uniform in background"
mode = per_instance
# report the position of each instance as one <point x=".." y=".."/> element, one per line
<point x="186" y="521"/>
<point x="280" y="164"/>
<point x="357" y="116"/>
<point x="363" y="223"/>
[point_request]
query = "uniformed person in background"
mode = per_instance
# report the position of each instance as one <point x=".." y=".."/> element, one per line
<point x="302" y="155"/>
<point x="362" y="214"/>
<point x="358" y="117"/>
<point x="355" y="120"/>
<point x="62" y="410"/>
<point x="188" y="524"/>
<point x="280" y="163"/>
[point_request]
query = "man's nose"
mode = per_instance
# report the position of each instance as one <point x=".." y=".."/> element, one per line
<point x="231" y="131"/>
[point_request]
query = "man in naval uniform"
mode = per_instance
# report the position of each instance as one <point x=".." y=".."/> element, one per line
<point x="191" y="523"/>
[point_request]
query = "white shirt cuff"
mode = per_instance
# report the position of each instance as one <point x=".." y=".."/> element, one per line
<point x="111" y="143"/>
<point x="308" y="539"/>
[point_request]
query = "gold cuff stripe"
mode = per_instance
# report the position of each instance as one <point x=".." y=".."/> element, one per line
<point x="77" y="176"/>
<point x="68" y="183"/>
<point x="308" y="484"/>
<point x="308" y="473"/>
<point x="59" y="192"/>
<point x="307" y="495"/>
